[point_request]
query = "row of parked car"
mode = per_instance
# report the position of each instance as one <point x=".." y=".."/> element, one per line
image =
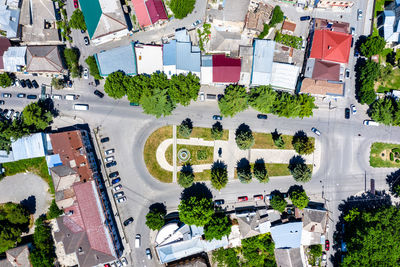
<point x="10" y="114"/>
<point x="25" y="83"/>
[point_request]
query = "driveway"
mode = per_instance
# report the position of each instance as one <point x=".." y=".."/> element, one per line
<point x="27" y="189"/>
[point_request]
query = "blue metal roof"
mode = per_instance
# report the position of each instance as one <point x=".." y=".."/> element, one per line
<point x="53" y="160"/>
<point x="206" y="61"/>
<point x="287" y="235"/>
<point x="186" y="59"/>
<point x="263" y="56"/>
<point x="169" y="53"/>
<point x="121" y="58"/>
<point x="182" y="36"/>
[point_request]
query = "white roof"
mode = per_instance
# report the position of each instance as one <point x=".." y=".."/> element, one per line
<point x="13" y="57"/>
<point x="9" y="17"/>
<point x="284" y="76"/>
<point x="149" y="58"/>
<point x="27" y="147"/>
<point x="262" y="62"/>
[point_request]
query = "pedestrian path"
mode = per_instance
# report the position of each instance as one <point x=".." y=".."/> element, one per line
<point x="174" y="175"/>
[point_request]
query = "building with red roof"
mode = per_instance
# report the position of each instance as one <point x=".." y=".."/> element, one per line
<point x="226" y="69"/>
<point x="331" y="46"/>
<point x="141" y="13"/>
<point x="156" y="10"/>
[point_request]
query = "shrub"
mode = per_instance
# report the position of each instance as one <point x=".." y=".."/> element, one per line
<point x="217" y="131"/>
<point x="396" y="150"/>
<point x="397" y="160"/>
<point x="278" y="203"/>
<point x="186" y="127"/>
<point x="391" y="156"/>
<point x="201" y="154"/>
<point x="185" y="178"/>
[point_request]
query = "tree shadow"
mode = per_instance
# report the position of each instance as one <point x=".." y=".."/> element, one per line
<point x="259" y="165"/>
<point x="295" y="160"/>
<point x="48" y="105"/>
<point x="295" y="188"/>
<point x="187" y="168"/>
<point x="188" y="123"/>
<point x="300" y="134"/>
<point x="199" y="190"/>
<point x="275" y="134"/>
<point x="217" y="127"/>
<point x="159" y="207"/>
<point x="276" y="192"/>
<point x="243" y="163"/>
<point x="393" y="180"/>
<point x="30" y="204"/>
<point x="243" y="128"/>
<point x="219" y="164"/>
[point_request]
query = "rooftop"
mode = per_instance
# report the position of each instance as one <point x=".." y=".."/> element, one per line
<point x="225" y="69"/>
<point x="288" y="26"/>
<point x="9" y="17"/>
<point x="284" y="76"/>
<point x="121" y="58"/>
<point x="324" y="70"/>
<point x="331" y="46"/>
<point x="231" y="10"/>
<point x="4" y="45"/>
<point x="18" y="256"/>
<point x="289" y="257"/>
<point x="141" y="13"/>
<point x="287" y="235"/>
<point x="187" y="57"/>
<point x="149" y="58"/>
<point x="156" y="10"/>
<point x="43" y="59"/>
<point x="225" y="42"/>
<point x="321" y="87"/>
<point x="14" y="58"/>
<point x="256" y="19"/>
<point x="31" y="146"/>
<point x="263" y="55"/>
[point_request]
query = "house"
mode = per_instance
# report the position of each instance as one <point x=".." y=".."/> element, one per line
<point x="18" y="256"/>
<point x="9" y="18"/>
<point x="288" y="27"/>
<point x="331" y="46"/>
<point x="263" y="54"/>
<point x="322" y="70"/>
<point x="246" y="54"/>
<point x="141" y="13"/>
<point x="225" y="42"/>
<point x="230" y="15"/>
<point x="252" y="222"/>
<point x="336" y="26"/>
<point x="335" y="5"/>
<point x="322" y="88"/>
<point x="31" y="146"/>
<point x="291" y="257"/>
<point x="388" y="23"/>
<point x="63" y="179"/>
<point x="14" y="59"/>
<point x="314" y="226"/>
<point x="284" y="76"/>
<point x="149" y="58"/>
<point x="104" y="19"/>
<point x="44" y="59"/>
<point x="225" y="69"/>
<point x="206" y="69"/>
<point x="4" y="45"/>
<point x="121" y="58"/>
<point x="156" y="10"/>
<point x="255" y="19"/>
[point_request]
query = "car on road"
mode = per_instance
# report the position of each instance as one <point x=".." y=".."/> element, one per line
<point x="9" y="113"/>
<point x="113" y="174"/>
<point x="324" y="258"/>
<point x="109" y="151"/>
<point x="69" y="83"/>
<point x="117" y="188"/>
<point x="85" y="73"/>
<point x="137" y="241"/>
<point x="21" y="95"/>
<point x="110" y="159"/>
<point x="197" y="22"/>
<point x="124" y="261"/>
<point x="119" y="194"/>
<point x="104" y="140"/>
<point x="83" y="31"/>
<point x="148" y="253"/>
<point x="128" y="221"/>
<point x="111" y="164"/>
<point x="35" y="84"/>
<point x="304" y="18"/>
<point x="31" y="96"/>
<point x="23" y="83"/>
<point x="121" y="199"/>
<point x="86" y="39"/>
<point x="314" y="130"/>
<point x="258" y="197"/>
<point x="116" y="181"/>
<point x="16" y="115"/>
<point x="353" y="31"/>
<point x="58" y="97"/>
<point x="370" y="123"/>
<point x="6" y="95"/>
<point x="353" y="109"/>
<point x="28" y="83"/>
<point x="98" y="93"/>
<point x="347" y="74"/>
<point x="347" y="113"/>
<point x="327" y="245"/>
<point x="76" y="4"/>
<point x="219" y="202"/>
<point x="134" y="104"/>
<point x="243" y="198"/>
<point x="217" y="117"/>
<point x="359" y="14"/>
<point x="262" y="116"/>
<point x="2" y="102"/>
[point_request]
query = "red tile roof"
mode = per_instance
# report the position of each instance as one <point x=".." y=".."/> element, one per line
<point x="225" y="69"/>
<point x="156" y="10"/>
<point x="74" y="221"/>
<point x="4" y="45"/>
<point x="331" y="46"/>
<point x="324" y="70"/>
<point x="90" y="210"/>
<point x="141" y="13"/>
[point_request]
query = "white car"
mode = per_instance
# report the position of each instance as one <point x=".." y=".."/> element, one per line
<point x="137" y="241"/>
<point x="119" y="264"/>
<point x="85" y="73"/>
<point x="370" y="123"/>
<point x="109" y="151"/>
<point x="110" y="158"/>
<point x="314" y="130"/>
<point x="117" y="188"/>
<point x="148" y="253"/>
<point x="124" y="261"/>
<point x="353" y="109"/>
<point x="17" y="83"/>
<point x="121" y="199"/>
<point x="202" y="96"/>
<point x="58" y="97"/>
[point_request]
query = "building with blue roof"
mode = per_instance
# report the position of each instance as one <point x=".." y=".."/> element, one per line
<point x="169" y="58"/>
<point x="121" y="58"/>
<point x="263" y="55"/>
<point x="287" y="235"/>
<point x="388" y="23"/>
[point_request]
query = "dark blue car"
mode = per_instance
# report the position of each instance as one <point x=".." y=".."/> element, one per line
<point x="116" y="181"/>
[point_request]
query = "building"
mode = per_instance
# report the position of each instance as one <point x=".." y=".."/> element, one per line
<point x="156" y="10"/>
<point x="104" y="19"/>
<point x="334" y="5"/>
<point x="252" y="222"/>
<point x="321" y="88"/>
<point x="388" y="23"/>
<point x="121" y="58"/>
<point x="18" y="256"/>
<point x="255" y="19"/>
<point x="284" y="76"/>
<point x="141" y="13"/>
<point x="9" y="18"/>
<point x="246" y="54"/>
<point x="292" y="257"/>
<point x="32" y="146"/>
<point x="63" y="179"/>
<point x="149" y="58"/>
<point x="14" y="59"/>
<point x="44" y="59"/>
<point x="230" y="15"/>
<point x="314" y="226"/>
<point x="322" y="70"/>
<point x="263" y="54"/>
<point x="225" y="42"/>
<point x="288" y="27"/>
<point x="4" y="45"/>
<point x="225" y="69"/>
<point x="206" y="69"/>
<point x="331" y="46"/>
<point x="336" y="26"/>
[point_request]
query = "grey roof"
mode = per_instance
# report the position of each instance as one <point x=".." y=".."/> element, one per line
<point x="233" y="10"/>
<point x="9" y="17"/>
<point x="187" y="57"/>
<point x="314" y="220"/>
<point x="18" y="255"/>
<point x="246" y="54"/>
<point x="14" y="58"/>
<point x="182" y="36"/>
<point x="288" y="257"/>
<point x="121" y="58"/>
<point x="262" y="61"/>
<point x="43" y="59"/>
<point x="226" y="42"/>
<point x="287" y="235"/>
<point x="63" y="170"/>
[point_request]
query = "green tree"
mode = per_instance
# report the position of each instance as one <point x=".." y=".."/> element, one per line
<point x="155" y="219"/>
<point x="260" y="172"/>
<point x="186" y="127"/>
<point x="244" y="139"/>
<point x="225" y="257"/>
<point x="383" y="111"/>
<point x="9" y="236"/>
<point x="219" y="175"/>
<point x="316" y="250"/>
<point x="184" y="88"/>
<point x="115" y="85"/>
<point x="181" y="8"/>
<point x="36" y="117"/>
<point x="301" y="173"/>
<point x="196" y="211"/>
<point x="158" y="104"/>
<point x="233" y="101"/>
<point x="299" y="198"/>
<point x="307" y="105"/>
<point x="277" y="16"/>
<point x="54" y="211"/>
<point x="217" y="131"/>
<point x="77" y="21"/>
<point x="259" y="251"/>
<point x="42" y="254"/>
<point x="71" y="56"/>
<point x="93" y="68"/>
<point x="373" y="45"/>
<point x="57" y="83"/>
<point x="185" y="178"/>
<point x="278" y="203"/>
<point x="5" y="80"/>
<point x="303" y="145"/>
<point x="278" y="140"/>
<point x="15" y="213"/>
<point x="218" y="227"/>
<point x="244" y="171"/>
<point x="136" y="85"/>
<point x="262" y="99"/>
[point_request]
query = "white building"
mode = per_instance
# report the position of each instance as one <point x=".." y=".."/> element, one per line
<point x="149" y="58"/>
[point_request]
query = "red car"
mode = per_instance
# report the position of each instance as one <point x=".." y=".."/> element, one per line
<point x="244" y="198"/>
<point x="258" y="197"/>
<point x="326" y="245"/>
<point x="76" y="4"/>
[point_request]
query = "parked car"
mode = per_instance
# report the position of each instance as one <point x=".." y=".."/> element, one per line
<point x="105" y="139"/>
<point x="119" y="194"/>
<point x="243" y="198"/>
<point x="28" y="83"/>
<point x="314" y="130"/>
<point x="9" y="113"/>
<point x="2" y="102"/>
<point x="197" y="22"/>
<point x="111" y="164"/>
<point x="113" y="174"/>
<point x="118" y="263"/>
<point x="258" y="197"/>
<point x="6" y="95"/>
<point x="16" y="115"/>
<point x="353" y="109"/>
<point x="83" y="31"/>
<point x="35" y="84"/>
<point x="109" y="151"/>
<point x="202" y="96"/>
<point x="121" y="199"/>
<point x="69" y="83"/>
<point x="219" y="202"/>
<point x="31" y="96"/>
<point x="262" y="116"/>
<point x="85" y="73"/>
<point x="359" y="14"/>
<point x="137" y="241"/>
<point x="76" y="4"/>
<point x="148" y="253"/>
<point x="98" y="93"/>
<point x="217" y="117"/>
<point x="23" y="83"/>
<point x="327" y="245"/>
<point x="86" y="39"/>
<point x="17" y="83"/>
<point x="128" y="221"/>
<point x="124" y="261"/>
<point x="58" y="97"/>
<point x="116" y="181"/>
<point x="117" y="188"/>
<point x="134" y="104"/>
<point x="324" y="257"/>
<point x="347" y="113"/>
<point x="21" y="95"/>
<point x="370" y="123"/>
<point x="110" y="159"/>
<point x="347" y="73"/>
<point x="352" y="31"/>
<point x="304" y="18"/>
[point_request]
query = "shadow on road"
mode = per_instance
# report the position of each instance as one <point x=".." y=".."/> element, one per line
<point x="199" y="190"/>
<point x="30" y="204"/>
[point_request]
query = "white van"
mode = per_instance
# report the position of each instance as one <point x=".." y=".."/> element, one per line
<point x="70" y="97"/>
<point x="370" y="123"/>
<point x="137" y="241"/>
<point x="81" y="106"/>
<point x="56" y="97"/>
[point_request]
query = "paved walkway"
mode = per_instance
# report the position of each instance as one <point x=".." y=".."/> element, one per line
<point x="174" y="175"/>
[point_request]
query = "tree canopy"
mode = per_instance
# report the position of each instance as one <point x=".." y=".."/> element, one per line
<point x="218" y="227"/>
<point x="186" y="127"/>
<point x="5" y="80"/>
<point x="196" y="211"/>
<point x="93" y="69"/>
<point x="115" y="86"/>
<point x="259" y="251"/>
<point x="219" y="175"/>
<point x="303" y="145"/>
<point x="184" y="88"/>
<point x="54" y="211"/>
<point x="367" y="73"/>
<point x="159" y="104"/>
<point x="36" y="117"/>
<point x="233" y="101"/>
<point x="373" y="45"/>
<point x="262" y="98"/>
<point x="77" y="20"/>
<point x="244" y="138"/>
<point x="277" y="16"/>
<point x="181" y="8"/>
<point x="217" y="131"/>
<point x="185" y="178"/>
<point x="244" y="171"/>
<point x="43" y="253"/>
<point x="299" y="198"/>
<point x="71" y="56"/>
<point x="383" y="110"/>
<point x="260" y="172"/>
<point x="278" y="203"/>
<point x="155" y="219"/>
<point x="301" y="173"/>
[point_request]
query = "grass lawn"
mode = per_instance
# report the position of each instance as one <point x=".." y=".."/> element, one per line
<point x="194" y="150"/>
<point x="380" y="155"/>
<point x="391" y="82"/>
<point x="149" y="154"/>
<point x="202" y="176"/>
<point x="37" y="166"/>
<point x="264" y="141"/>
<point x="276" y="169"/>
<point x="204" y="133"/>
